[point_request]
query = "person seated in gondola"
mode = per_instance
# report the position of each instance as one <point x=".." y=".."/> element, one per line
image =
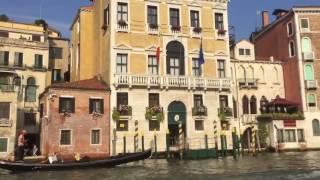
<point x="20" y="145"/>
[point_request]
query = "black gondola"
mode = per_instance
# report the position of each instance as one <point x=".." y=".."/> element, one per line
<point x="110" y="162"/>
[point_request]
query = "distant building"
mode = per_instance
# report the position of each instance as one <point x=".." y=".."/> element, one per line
<point x="293" y="40"/>
<point x="256" y="82"/>
<point x="148" y="51"/>
<point x="25" y="71"/>
<point x="75" y="118"/>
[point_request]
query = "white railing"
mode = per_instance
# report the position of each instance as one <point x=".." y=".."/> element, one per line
<point x="152" y="30"/>
<point x="249" y="119"/>
<point x="308" y="56"/>
<point x="194" y="33"/>
<point x="311" y="84"/>
<point x="170" y="82"/>
<point x="122" y="28"/>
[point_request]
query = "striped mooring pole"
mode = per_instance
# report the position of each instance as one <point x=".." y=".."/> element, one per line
<point x="215" y="134"/>
<point x="136" y="136"/>
<point x="180" y="139"/>
<point x="253" y="137"/>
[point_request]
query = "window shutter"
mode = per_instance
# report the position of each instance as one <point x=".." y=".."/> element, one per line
<point x="181" y="66"/>
<point x="102" y="106"/>
<point x="60" y="105"/>
<point x="90" y="106"/>
<point x="73" y="105"/>
<point x="168" y="65"/>
<point x="6" y="58"/>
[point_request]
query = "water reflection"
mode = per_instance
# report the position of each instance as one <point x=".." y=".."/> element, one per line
<point x="265" y="167"/>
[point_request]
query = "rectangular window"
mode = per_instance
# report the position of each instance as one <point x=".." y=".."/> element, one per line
<point x="96" y="105"/>
<point x="56" y="75"/>
<point x="152" y="15"/>
<point x="304" y="23"/>
<point x="174" y="66"/>
<point x="290" y="135"/>
<point x="4" y="110"/>
<point x="196" y="69"/>
<point x="280" y="136"/>
<point x="122" y="125"/>
<point x="223" y="101"/>
<point x="4" y="58"/>
<point x="311" y="101"/>
<point x="153" y="66"/>
<point x="38" y="61"/>
<point x="198" y="124"/>
<point x="18" y="59"/>
<point x="66" y="104"/>
<point x="219" y="21"/>
<point x="95" y="136"/>
<point x="300" y="134"/>
<point x="3" y="144"/>
<point x="65" y="137"/>
<point x="153" y="99"/>
<point x="241" y="52"/>
<point x="36" y="38"/>
<point x="248" y="53"/>
<point x="122" y="63"/>
<point x="55" y="53"/>
<point x="174" y="17"/>
<point x="122" y="99"/>
<point x="221" y="68"/>
<point x="289" y="28"/>
<point x="194" y="18"/>
<point x="29" y="119"/>
<point x="4" y="34"/>
<point x="106" y="19"/>
<point x="154" y="125"/>
<point x="197" y="100"/>
<point x="122" y="12"/>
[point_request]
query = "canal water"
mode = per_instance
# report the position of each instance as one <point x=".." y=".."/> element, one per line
<point x="291" y="165"/>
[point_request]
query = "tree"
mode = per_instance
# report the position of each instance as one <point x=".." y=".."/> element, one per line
<point x="41" y="22"/>
<point x="4" y="17"/>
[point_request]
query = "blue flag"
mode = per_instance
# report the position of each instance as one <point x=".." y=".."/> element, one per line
<point x="201" y="56"/>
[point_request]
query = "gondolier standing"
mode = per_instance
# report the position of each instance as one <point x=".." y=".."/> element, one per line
<point x="21" y="142"/>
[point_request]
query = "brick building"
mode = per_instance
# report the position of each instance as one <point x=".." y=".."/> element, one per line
<point x="293" y="38"/>
<point x="75" y="118"/>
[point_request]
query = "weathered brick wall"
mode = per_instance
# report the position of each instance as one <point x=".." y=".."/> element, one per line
<point x="81" y="123"/>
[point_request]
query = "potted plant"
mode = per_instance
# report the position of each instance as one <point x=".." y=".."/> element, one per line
<point x="125" y="109"/>
<point x="197" y="29"/>
<point x="115" y="114"/>
<point x="221" y="31"/>
<point x="154" y="112"/>
<point x="176" y="28"/>
<point x="122" y="22"/>
<point x="153" y="26"/>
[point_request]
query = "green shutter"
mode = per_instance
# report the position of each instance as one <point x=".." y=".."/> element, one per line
<point x="311" y="98"/>
<point x="306" y="45"/>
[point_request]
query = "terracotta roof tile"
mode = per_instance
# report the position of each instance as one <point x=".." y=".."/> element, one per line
<point x="89" y="84"/>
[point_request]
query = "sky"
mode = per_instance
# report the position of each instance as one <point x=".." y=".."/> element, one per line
<point x="243" y="14"/>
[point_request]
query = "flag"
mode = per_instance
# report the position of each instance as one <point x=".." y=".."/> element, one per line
<point x="158" y="54"/>
<point x="201" y="56"/>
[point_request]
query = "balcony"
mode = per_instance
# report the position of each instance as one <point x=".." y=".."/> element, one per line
<point x="170" y="82"/>
<point x="39" y="68"/>
<point x="11" y="67"/>
<point x="311" y="84"/>
<point x="7" y="88"/>
<point x="23" y="42"/>
<point x="175" y="29"/>
<point x="153" y="29"/>
<point x="154" y="113"/>
<point x="122" y="26"/>
<point x="4" y="122"/>
<point x="308" y="56"/>
<point x="221" y="34"/>
<point x="225" y="114"/>
<point x="248" y="83"/>
<point x="200" y="111"/>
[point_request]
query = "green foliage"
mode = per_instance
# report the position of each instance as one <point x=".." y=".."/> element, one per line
<point x="263" y="133"/>
<point x="41" y="22"/>
<point x="281" y="116"/>
<point x="156" y="112"/>
<point x="115" y="114"/>
<point x="4" y="18"/>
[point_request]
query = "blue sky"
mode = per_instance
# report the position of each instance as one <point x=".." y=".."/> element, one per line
<point x="60" y="13"/>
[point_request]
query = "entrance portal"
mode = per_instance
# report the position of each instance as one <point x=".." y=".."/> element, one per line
<point x="176" y="122"/>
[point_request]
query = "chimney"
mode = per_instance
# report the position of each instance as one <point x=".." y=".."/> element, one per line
<point x="265" y="18"/>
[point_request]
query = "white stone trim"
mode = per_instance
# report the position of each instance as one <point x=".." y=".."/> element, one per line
<point x="303" y="30"/>
<point x="8" y="141"/>
<point x="71" y="137"/>
<point x="100" y="136"/>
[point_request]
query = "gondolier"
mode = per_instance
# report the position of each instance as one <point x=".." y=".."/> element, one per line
<point x="20" y="145"/>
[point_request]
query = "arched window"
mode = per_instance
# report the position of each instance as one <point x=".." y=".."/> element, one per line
<point x="31" y="90"/>
<point x="306" y="45"/>
<point x="308" y="72"/>
<point x="262" y="74"/>
<point x="245" y="104"/>
<point x="242" y="72"/>
<point x="17" y="81"/>
<point x="253" y="105"/>
<point x="291" y="49"/>
<point x="263" y="104"/>
<point x="316" y="127"/>
<point x="250" y="73"/>
<point x="175" y="58"/>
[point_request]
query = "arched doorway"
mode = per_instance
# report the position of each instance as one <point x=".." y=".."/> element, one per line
<point x="175" y="59"/>
<point x="176" y="115"/>
<point x="247" y="138"/>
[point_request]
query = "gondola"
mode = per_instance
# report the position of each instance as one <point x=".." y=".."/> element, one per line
<point x="110" y="162"/>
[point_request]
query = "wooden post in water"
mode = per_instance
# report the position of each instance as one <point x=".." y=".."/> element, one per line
<point x="206" y="141"/>
<point x="248" y="140"/>
<point x="155" y="145"/>
<point x="167" y="142"/>
<point x="136" y="136"/>
<point x="124" y="144"/>
<point x="114" y="142"/>
<point x="142" y="142"/>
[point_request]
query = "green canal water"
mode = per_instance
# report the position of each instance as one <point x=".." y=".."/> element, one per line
<point x="293" y="165"/>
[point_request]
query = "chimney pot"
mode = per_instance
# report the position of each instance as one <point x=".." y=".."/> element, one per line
<point x="265" y="18"/>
